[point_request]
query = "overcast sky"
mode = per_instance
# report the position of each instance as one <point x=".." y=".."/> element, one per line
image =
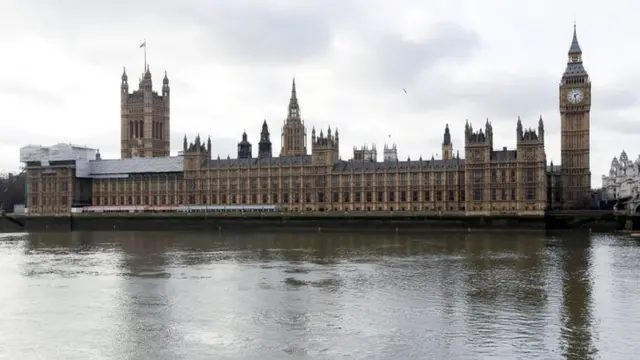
<point x="230" y="64"/>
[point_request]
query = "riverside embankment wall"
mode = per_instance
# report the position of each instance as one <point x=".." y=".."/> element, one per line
<point x="594" y="221"/>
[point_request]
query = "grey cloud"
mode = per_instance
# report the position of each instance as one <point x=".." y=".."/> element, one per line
<point x="615" y="121"/>
<point x="620" y="95"/>
<point x="392" y="60"/>
<point x="259" y="34"/>
<point x="508" y="96"/>
<point x="240" y="31"/>
<point x="32" y="93"/>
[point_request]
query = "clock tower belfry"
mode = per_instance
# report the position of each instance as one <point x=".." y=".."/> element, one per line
<point x="575" y="108"/>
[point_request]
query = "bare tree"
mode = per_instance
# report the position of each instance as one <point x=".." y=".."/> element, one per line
<point x="12" y="188"/>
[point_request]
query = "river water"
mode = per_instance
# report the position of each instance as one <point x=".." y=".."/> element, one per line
<point x="143" y="295"/>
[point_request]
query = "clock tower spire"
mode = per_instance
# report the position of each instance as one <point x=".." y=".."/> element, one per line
<point x="575" y="109"/>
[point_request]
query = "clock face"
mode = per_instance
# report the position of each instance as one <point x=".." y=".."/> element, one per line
<point x="575" y="96"/>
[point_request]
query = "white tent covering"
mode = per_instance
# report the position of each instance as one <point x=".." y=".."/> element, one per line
<point x="88" y="166"/>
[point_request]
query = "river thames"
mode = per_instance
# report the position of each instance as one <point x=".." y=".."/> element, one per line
<point x="170" y="295"/>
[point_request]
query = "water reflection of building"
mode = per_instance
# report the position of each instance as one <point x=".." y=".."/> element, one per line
<point x="144" y="302"/>
<point x="577" y="316"/>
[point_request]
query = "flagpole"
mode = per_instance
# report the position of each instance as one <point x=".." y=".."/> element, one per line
<point x="145" y="55"/>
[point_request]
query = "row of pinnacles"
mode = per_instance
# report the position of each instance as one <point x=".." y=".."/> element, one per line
<point x="486" y="138"/>
<point x="525" y="139"/>
<point x="325" y="149"/>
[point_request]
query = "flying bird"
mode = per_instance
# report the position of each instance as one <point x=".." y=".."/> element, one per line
<point x="405" y="90"/>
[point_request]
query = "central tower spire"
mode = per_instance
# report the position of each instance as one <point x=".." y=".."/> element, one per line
<point x="294" y="133"/>
<point x="294" y="108"/>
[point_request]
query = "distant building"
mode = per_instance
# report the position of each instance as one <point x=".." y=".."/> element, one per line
<point x="390" y="153"/>
<point x="623" y="180"/>
<point x="364" y="153"/>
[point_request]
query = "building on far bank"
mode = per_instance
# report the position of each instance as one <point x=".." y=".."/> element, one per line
<point x="364" y="153"/>
<point x="623" y="181"/>
<point x="483" y="181"/>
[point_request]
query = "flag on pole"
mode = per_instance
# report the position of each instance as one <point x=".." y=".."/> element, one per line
<point x="144" y="44"/>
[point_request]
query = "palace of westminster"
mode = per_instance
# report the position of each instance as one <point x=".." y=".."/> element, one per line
<point x="485" y="181"/>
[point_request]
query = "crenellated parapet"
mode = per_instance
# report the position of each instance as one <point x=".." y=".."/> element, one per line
<point x="530" y="136"/>
<point x="365" y="153"/>
<point x="325" y="149"/>
<point x="482" y="138"/>
<point x="197" y="146"/>
<point x="322" y="142"/>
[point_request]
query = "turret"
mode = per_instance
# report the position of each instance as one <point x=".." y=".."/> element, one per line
<point x="541" y="129"/>
<point x="196" y="153"/>
<point x="324" y="149"/>
<point x="244" y="147"/>
<point x="447" y="146"/>
<point x="124" y="85"/>
<point x="165" y="85"/>
<point x="390" y="153"/>
<point x="264" y="146"/>
<point x="529" y="136"/>
<point x="364" y="153"/>
<point x="480" y="137"/>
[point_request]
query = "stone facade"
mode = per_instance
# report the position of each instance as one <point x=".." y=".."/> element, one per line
<point x="575" y="109"/>
<point x="485" y="181"/>
<point x="145" y="125"/>
<point x="623" y="181"/>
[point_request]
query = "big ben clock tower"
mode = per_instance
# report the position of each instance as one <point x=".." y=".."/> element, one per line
<point x="575" y="108"/>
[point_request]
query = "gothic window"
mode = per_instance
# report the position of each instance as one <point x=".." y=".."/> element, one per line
<point x="477" y="194"/>
<point x="477" y="177"/>
<point x="530" y="176"/>
<point x="530" y="194"/>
